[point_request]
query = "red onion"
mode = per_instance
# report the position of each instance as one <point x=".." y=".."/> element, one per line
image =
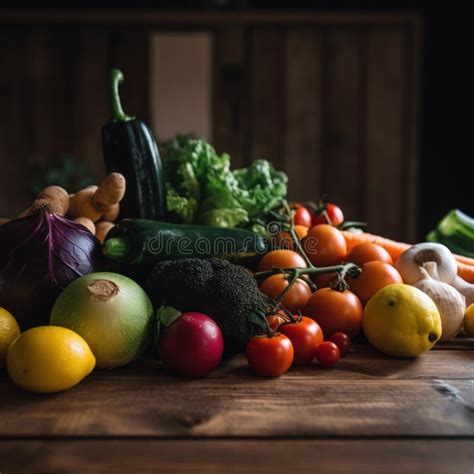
<point x="39" y="256"/>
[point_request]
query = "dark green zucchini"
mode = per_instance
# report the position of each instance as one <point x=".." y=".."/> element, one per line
<point x="140" y="244"/>
<point x="130" y="148"/>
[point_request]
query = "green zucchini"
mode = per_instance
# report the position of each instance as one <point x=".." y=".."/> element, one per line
<point x="139" y="244"/>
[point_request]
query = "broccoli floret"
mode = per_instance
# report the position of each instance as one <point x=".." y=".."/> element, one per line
<point x="226" y="292"/>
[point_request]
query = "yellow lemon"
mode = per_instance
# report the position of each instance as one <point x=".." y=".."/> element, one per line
<point x="9" y="331"/>
<point x="469" y="320"/>
<point x="401" y="321"/>
<point x="49" y="359"/>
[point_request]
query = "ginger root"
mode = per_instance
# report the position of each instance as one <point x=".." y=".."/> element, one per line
<point x="110" y="192"/>
<point x="82" y="205"/>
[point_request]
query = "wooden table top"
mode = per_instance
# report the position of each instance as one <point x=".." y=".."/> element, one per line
<point x="371" y="414"/>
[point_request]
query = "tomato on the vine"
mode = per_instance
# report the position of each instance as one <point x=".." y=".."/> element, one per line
<point x="368" y="252"/>
<point x="325" y="245"/>
<point x="328" y="354"/>
<point x="281" y="258"/>
<point x="374" y="277"/>
<point x="335" y="311"/>
<point x="269" y="356"/>
<point x="296" y="297"/>
<point x="342" y="341"/>
<point x="305" y="335"/>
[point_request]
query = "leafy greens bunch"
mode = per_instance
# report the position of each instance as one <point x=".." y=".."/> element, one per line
<point x="201" y="187"/>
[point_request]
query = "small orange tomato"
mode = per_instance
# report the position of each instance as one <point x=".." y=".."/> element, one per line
<point x="374" y="277"/>
<point x="368" y="252"/>
<point x="296" y="297"/>
<point x="335" y="311"/>
<point x="281" y="258"/>
<point x="325" y="245"/>
<point x="283" y="239"/>
<point x="301" y="231"/>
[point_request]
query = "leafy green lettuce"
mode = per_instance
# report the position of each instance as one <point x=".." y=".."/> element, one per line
<point x="201" y="187"/>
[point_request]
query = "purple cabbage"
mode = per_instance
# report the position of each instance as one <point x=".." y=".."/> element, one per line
<point x="39" y="256"/>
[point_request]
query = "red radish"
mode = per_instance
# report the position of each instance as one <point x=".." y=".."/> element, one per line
<point x="191" y="346"/>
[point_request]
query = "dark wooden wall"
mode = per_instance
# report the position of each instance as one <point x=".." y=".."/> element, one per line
<point x="333" y="103"/>
<point x="334" y="106"/>
<point x="54" y="98"/>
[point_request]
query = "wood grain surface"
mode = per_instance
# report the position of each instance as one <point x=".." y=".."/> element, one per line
<point x="242" y="456"/>
<point x="371" y="413"/>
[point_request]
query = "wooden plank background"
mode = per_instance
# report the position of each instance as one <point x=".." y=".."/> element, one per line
<point x="328" y="103"/>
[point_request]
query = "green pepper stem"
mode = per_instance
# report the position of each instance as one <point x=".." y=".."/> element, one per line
<point x="117" y="248"/>
<point x="118" y="115"/>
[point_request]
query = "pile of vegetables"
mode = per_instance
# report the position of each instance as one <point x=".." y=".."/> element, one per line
<point x="193" y="265"/>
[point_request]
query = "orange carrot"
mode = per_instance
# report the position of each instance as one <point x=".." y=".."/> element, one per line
<point x="395" y="249"/>
<point x="466" y="271"/>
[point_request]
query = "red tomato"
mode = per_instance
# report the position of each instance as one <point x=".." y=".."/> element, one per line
<point x="302" y="216"/>
<point x="269" y="356"/>
<point x="368" y="252"/>
<point x="296" y="297"/>
<point x="335" y="311"/>
<point x="334" y="213"/>
<point x="328" y="354"/>
<point x="342" y="341"/>
<point x="325" y="245"/>
<point x="374" y="277"/>
<point x="281" y="258"/>
<point x="305" y="335"/>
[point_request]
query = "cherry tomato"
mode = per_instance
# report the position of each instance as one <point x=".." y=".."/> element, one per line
<point x="281" y="258"/>
<point x="302" y="216"/>
<point x="283" y="240"/>
<point x="342" y="341"/>
<point x="334" y="213"/>
<point x="328" y="354"/>
<point x="269" y="356"/>
<point x="296" y="297"/>
<point x="335" y="311"/>
<point x="325" y="245"/>
<point x="305" y="335"/>
<point x="374" y="277"/>
<point x="368" y="252"/>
